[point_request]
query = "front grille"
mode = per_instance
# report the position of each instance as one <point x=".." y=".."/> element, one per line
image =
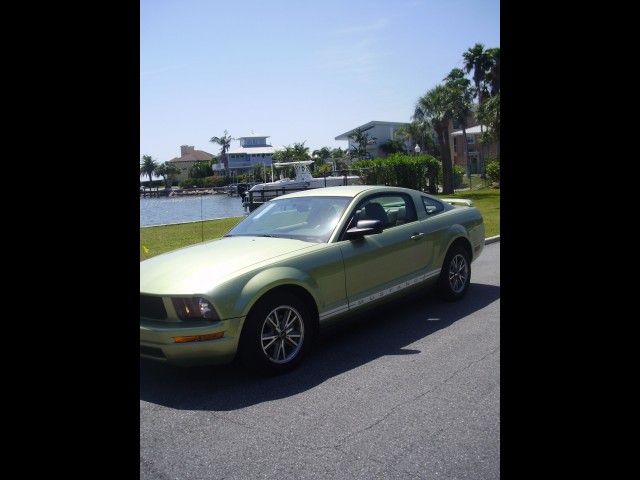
<point x="152" y="307"/>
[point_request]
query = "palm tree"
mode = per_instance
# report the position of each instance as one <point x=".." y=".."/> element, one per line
<point x="486" y="73"/>
<point x="148" y="167"/>
<point x="300" y="152"/>
<point x="434" y="108"/>
<point x="320" y="157"/>
<point x="338" y="153"/>
<point x="362" y="140"/>
<point x="225" y="144"/>
<point x="460" y="97"/>
<point x="323" y="153"/>
<point x="478" y="60"/>
<point x="168" y="172"/>
<point x="493" y="77"/>
<point x="393" y="146"/>
<point x="489" y="114"/>
<point x="420" y="133"/>
<point x="285" y="155"/>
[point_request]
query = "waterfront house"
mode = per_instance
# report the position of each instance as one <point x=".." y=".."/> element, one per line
<point x="381" y="131"/>
<point x="188" y="156"/>
<point x="253" y="151"/>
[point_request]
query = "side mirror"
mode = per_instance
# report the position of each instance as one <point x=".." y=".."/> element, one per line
<point x="363" y="227"/>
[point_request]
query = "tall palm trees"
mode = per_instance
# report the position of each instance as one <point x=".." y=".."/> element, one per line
<point x="148" y="166"/>
<point x="485" y="65"/>
<point x="225" y="144"/>
<point x="460" y="97"/>
<point x="493" y="77"/>
<point x="478" y="60"/>
<point x="434" y="108"/>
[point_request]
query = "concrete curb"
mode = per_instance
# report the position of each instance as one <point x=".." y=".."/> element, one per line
<point x="489" y="240"/>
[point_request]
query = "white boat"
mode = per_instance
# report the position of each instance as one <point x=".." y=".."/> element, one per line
<point x="304" y="180"/>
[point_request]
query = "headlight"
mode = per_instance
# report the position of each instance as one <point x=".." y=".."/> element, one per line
<point x="194" y="308"/>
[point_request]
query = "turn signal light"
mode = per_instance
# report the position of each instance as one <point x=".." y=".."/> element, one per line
<point x="199" y="338"/>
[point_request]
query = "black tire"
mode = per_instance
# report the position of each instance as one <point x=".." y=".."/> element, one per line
<point x="455" y="275"/>
<point x="276" y="335"/>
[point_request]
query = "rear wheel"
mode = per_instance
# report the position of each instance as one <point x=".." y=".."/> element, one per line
<point x="276" y="334"/>
<point x="455" y="274"/>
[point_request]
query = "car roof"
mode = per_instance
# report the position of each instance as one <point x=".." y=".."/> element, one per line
<point x="343" y="191"/>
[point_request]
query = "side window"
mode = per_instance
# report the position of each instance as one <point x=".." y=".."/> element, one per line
<point x="432" y="206"/>
<point x="391" y="210"/>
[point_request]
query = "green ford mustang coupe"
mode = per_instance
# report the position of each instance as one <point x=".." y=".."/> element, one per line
<point x="298" y="264"/>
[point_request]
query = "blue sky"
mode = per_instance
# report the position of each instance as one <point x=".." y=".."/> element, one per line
<point x="297" y="71"/>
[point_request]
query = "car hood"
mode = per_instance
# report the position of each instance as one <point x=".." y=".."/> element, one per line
<point x="200" y="267"/>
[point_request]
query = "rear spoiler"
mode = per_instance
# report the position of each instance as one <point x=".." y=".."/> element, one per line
<point x="458" y="201"/>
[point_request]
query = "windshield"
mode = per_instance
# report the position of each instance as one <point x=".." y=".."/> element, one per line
<point x="311" y="219"/>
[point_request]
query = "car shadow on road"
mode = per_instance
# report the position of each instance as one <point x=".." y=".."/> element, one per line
<point x="386" y="331"/>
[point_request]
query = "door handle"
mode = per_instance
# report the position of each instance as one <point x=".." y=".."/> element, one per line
<point x="417" y="236"/>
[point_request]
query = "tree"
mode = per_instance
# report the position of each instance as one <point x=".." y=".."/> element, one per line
<point x="433" y="107"/>
<point x="361" y="140"/>
<point x="420" y="133"/>
<point x="225" y="144"/>
<point x="339" y="153"/>
<point x="320" y="158"/>
<point x="460" y="96"/>
<point x="296" y="153"/>
<point x="284" y="155"/>
<point x="323" y="169"/>
<point x="148" y="167"/>
<point x="168" y="171"/>
<point x="485" y="65"/>
<point x="324" y="153"/>
<point x="478" y="60"/>
<point x="493" y="77"/>
<point x="259" y="173"/>
<point x="300" y="152"/>
<point x="393" y="146"/>
<point x="200" y="170"/>
<point x="489" y="114"/>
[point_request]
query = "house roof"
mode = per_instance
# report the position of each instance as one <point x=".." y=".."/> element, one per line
<point x="254" y="135"/>
<point x="471" y="130"/>
<point x="367" y="126"/>
<point x="255" y="150"/>
<point x="193" y="156"/>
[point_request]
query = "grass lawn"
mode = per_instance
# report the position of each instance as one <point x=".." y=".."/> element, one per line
<point x="157" y="240"/>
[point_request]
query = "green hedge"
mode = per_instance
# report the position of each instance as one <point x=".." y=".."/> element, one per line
<point x="420" y="172"/>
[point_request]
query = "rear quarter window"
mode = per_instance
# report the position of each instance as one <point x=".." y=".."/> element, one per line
<point x="432" y="206"/>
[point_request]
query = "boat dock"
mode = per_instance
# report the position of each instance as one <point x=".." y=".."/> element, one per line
<point x="177" y="192"/>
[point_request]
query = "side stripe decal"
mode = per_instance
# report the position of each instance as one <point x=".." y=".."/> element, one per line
<point x="378" y="295"/>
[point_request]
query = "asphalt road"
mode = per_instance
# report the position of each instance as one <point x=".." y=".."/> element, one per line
<point x="412" y="392"/>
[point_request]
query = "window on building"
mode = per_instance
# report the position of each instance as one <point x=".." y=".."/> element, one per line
<point x="471" y="139"/>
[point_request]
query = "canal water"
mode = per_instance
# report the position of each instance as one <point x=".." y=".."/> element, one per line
<point x="188" y="208"/>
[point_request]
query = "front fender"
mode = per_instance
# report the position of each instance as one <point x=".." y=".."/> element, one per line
<point x="267" y="280"/>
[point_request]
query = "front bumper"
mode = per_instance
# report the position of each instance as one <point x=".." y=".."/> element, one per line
<point x="157" y="342"/>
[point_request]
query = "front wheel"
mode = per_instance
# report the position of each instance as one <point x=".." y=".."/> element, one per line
<point x="276" y="335"/>
<point x="455" y="275"/>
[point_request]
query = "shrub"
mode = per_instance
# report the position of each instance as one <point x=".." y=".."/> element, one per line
<point x="492" y="168"/>
<point x="458" y="176"/>
<point x="417" y="172"/>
